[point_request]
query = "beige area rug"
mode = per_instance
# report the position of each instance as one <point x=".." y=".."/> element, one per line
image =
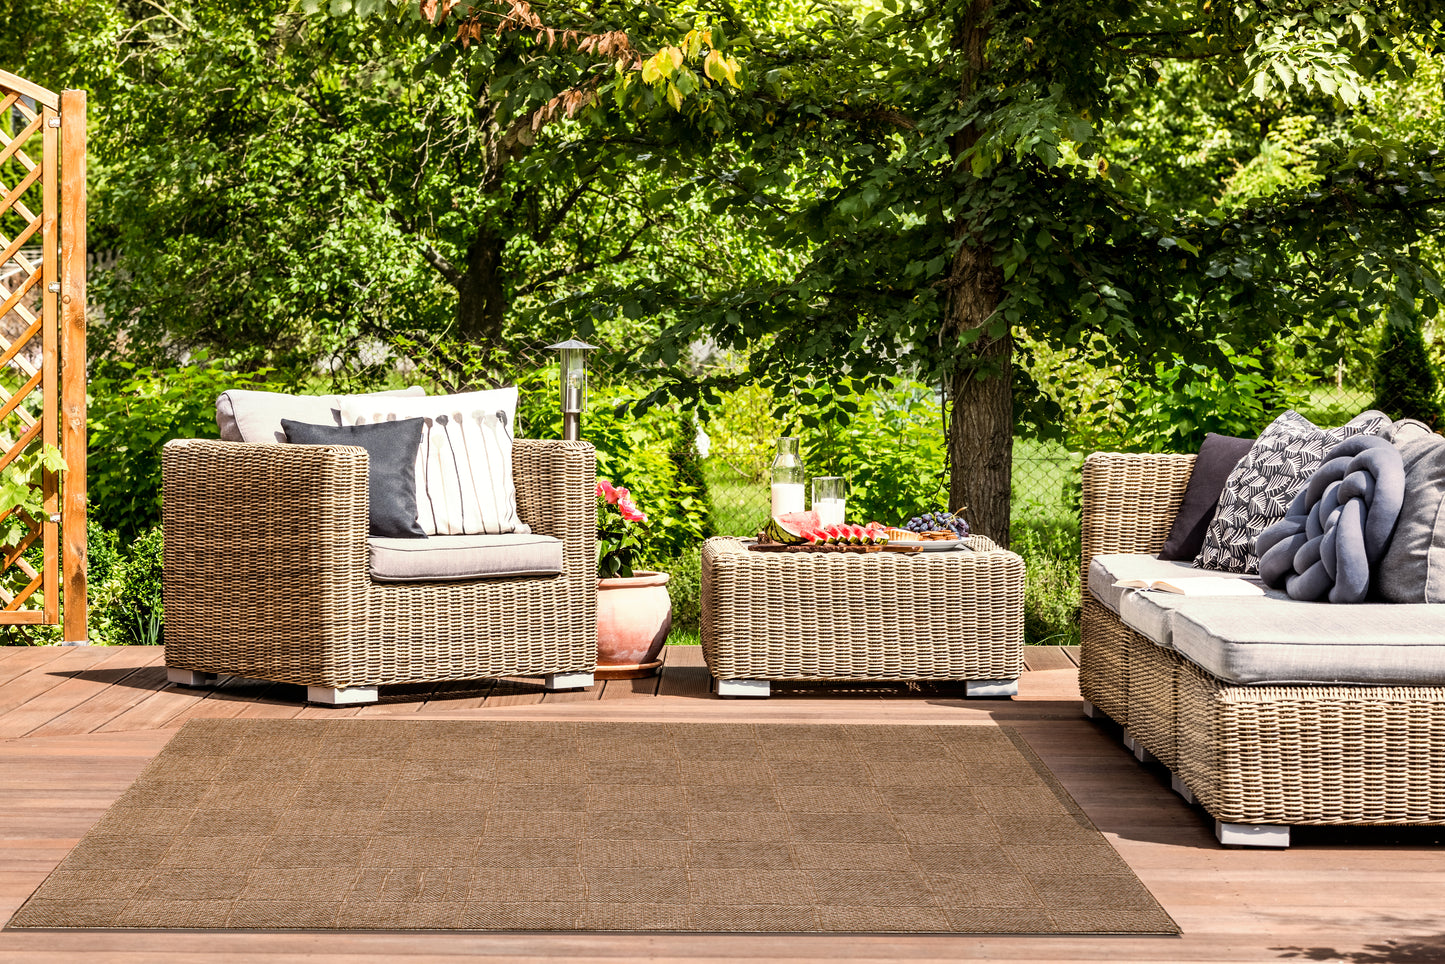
<point x="566" y="826"/>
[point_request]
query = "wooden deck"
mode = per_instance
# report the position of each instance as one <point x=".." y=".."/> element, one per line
<point x="77" y="726"/>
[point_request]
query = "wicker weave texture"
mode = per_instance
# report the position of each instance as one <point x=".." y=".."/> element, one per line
<point x="1104" y="660"/>
<point x="846" y="616"/>
<point x="1153" y="697"/>
<point x="266" y="573"/>
<point x="1129" y="503"/>
<point x="1313" y="754"/>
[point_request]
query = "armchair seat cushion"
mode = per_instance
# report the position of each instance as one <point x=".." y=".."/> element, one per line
<point x="459" y="558"/>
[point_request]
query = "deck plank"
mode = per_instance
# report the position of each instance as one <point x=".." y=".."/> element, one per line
<point x="147" y="676"/>
<point x="1039" y="659"/>
<point x="18" y="660"/>
<point x="684" y="673"/>
<point x="1347" y="894"/>
<point x="59" y="686"/>
<point x="515" y="691"/>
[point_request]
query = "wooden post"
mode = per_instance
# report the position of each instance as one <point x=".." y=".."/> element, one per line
<point x="72" y="362"/>
<point x="49" y="312"/>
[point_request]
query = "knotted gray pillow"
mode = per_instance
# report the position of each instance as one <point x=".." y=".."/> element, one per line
<point x="1336" y="530"/>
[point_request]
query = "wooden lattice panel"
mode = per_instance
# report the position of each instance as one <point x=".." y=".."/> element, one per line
<point x="42" y="210"/>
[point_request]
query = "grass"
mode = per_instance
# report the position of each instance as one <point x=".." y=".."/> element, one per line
<point x="1330" y="406"/>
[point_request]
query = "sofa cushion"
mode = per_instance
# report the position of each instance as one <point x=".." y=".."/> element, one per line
<point x="1261" y="486"/>
<point x="1286" y="641"/>
<point x="246" y="416"/>
<point x="456" y="558"/>
<point x="464" y="480"/>
<point x="1151" y="614"/>
<point x="1109" y="568"/>
<point x="1413" y="568"/>
<point x="1216" y="459"/>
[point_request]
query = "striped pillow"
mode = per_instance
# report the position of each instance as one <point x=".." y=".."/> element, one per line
<point x="464" y="483"/>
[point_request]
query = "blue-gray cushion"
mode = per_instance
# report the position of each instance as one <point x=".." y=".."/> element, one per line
<point x="454" y="558"/>
<point x="391" y="468"/>
<point x="1334" y="534"/>
<point x="1413" y="568"/>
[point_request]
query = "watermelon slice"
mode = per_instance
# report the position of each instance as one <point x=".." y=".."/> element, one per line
<point x="789" y="528"/>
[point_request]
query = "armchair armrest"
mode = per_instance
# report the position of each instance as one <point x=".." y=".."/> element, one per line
<point x="1130" y="500"/>
<point x="261" y="534"/>
<point x="557" y="496"/>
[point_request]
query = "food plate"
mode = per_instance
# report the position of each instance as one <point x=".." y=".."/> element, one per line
<point x="941" y="545"/>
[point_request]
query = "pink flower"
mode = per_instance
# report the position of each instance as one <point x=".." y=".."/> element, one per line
<point x="606" y="491"/>
<point x="622" y="495"/>
<point x="630" y="512"/>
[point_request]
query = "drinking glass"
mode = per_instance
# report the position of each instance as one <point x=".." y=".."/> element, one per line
<point x="828" y="500"/>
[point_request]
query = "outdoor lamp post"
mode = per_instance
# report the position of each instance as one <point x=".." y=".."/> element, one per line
<point x="573" y="354"/>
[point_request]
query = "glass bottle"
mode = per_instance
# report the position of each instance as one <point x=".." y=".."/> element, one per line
<point x="787" y="478"/>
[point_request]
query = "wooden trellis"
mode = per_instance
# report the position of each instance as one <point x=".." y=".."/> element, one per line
<point x="42" y="354"/>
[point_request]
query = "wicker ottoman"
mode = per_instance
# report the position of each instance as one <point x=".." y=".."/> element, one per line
<point x="954" y="615"/>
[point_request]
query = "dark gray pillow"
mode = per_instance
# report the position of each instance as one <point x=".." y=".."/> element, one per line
<point x="1413" y="569"/>
<point x="1216" y="459"/>
<point x="391" y="479"/>
<point x="1266" y="480"/>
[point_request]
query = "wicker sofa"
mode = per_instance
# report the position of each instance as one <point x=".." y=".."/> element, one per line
<point x="266" y="577"/>
<point x="1258" y="755"/>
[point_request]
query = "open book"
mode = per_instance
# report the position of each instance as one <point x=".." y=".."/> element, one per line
<point x="1195" y="586"/>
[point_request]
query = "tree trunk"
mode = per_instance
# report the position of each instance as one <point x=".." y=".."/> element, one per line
<point x="980" y="419"/>
<point x="481" y="297"/>
<point x="980" y="380"/>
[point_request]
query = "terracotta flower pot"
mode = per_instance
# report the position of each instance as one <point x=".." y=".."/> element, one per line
<point x="634" y="614"/>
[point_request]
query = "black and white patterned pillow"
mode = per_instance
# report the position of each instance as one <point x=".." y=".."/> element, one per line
<point x="1260" y="488"/>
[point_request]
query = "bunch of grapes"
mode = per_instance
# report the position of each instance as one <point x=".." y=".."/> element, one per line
<point x="935" y="521"/>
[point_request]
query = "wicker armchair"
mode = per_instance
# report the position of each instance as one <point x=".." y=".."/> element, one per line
<point x="266" y="577"/>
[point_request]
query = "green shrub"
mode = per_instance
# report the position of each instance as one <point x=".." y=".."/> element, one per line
<point x="685" y="588"/>
<point x="650" y="457"/>
<point x="1405" y="381"/>
<point x="125" y="588"/>
<point x="132" y="413"/>
<point x="1051" y="551"/>
<point x="890" y="452"/>
<point x="123" y="592"/>
<point x="1172" y="408"/>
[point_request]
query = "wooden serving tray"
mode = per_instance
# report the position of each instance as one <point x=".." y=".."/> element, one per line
<point x="775" y="547"/>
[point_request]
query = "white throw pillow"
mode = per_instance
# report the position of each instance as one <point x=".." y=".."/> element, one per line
<point x="249" y="416"/>
<point x="464" y="483"/>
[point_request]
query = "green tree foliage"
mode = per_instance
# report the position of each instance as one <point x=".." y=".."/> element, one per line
<point x="949" y="170"/>
<point x="1406" y="384"/>
<point x="133" y="411"/>
<point x="914" y="184"/>
<point x="306" y="192"/>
